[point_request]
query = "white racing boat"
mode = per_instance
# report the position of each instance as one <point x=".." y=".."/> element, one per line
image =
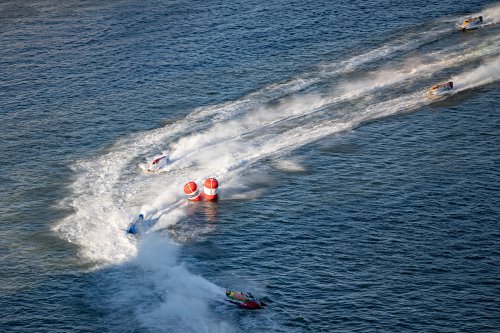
<point x="158" y="164"/>
<point x="441" y="89"/>
<point x="472" y="23"/>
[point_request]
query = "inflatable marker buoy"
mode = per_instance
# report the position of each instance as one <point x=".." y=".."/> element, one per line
<point x="210" y="189"/>
<point x="192" y="192"/>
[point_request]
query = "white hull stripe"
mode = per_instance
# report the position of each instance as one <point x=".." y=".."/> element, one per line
<point x="193" y="195"/>
<point x="210" y="191"/>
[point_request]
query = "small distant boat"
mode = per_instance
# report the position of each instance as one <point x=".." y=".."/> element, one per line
<point x="441" y="89"/>
<point x="244" y="299"/>
<point x="135" y="226"/>
<point x="158" y="164"/>
<point x="472" y="23"/>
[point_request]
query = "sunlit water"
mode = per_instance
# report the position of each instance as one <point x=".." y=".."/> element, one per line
<point x="350" y="201"/>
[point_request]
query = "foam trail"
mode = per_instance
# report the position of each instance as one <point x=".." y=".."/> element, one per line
<point x="491" y="15"/>
<point x="407" y="42"/>
<point x="300" y="106"/>
<point x="226" y="141"/>
<point x="185" y="297"/>
<point x="418" y="67"/>
<point x="154" y="141"/>
<point x="95" y="223"/>
<point x="484" y="74"/>
<point x="409" y="72"/>
<point x="191" y="150"/>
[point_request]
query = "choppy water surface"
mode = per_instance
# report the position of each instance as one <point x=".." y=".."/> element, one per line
<point x="350" y="200"/>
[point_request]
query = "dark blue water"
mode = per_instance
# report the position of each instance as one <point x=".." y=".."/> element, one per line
<point x="350" y="200"/>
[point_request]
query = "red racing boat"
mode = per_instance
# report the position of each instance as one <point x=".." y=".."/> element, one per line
<point x="244" y="299"/>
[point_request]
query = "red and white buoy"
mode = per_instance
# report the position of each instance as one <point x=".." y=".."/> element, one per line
<point x="192" y="191"/>
<point x="210" y="190"/>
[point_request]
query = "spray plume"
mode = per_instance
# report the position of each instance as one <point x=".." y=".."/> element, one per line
<point x="487" y="73"/>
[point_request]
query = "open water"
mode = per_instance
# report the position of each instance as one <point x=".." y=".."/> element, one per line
<point x="350" y="201"/>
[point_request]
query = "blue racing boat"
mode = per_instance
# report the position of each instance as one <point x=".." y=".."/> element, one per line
<point x="136" y="226"/>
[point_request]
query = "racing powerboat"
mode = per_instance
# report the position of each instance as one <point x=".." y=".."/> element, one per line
<point x="244" y="299"/>
<point x="472" y="23"/>
<point x="158" y="164"/>
<point x="441" y="89"/>
<point x="135" y="226"/>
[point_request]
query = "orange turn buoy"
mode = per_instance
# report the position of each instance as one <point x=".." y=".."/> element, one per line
<point x="192" y="191"/>
<point x="210" y="189"/>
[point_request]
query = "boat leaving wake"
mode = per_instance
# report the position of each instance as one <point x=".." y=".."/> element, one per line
<point x="229" y="141"/>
